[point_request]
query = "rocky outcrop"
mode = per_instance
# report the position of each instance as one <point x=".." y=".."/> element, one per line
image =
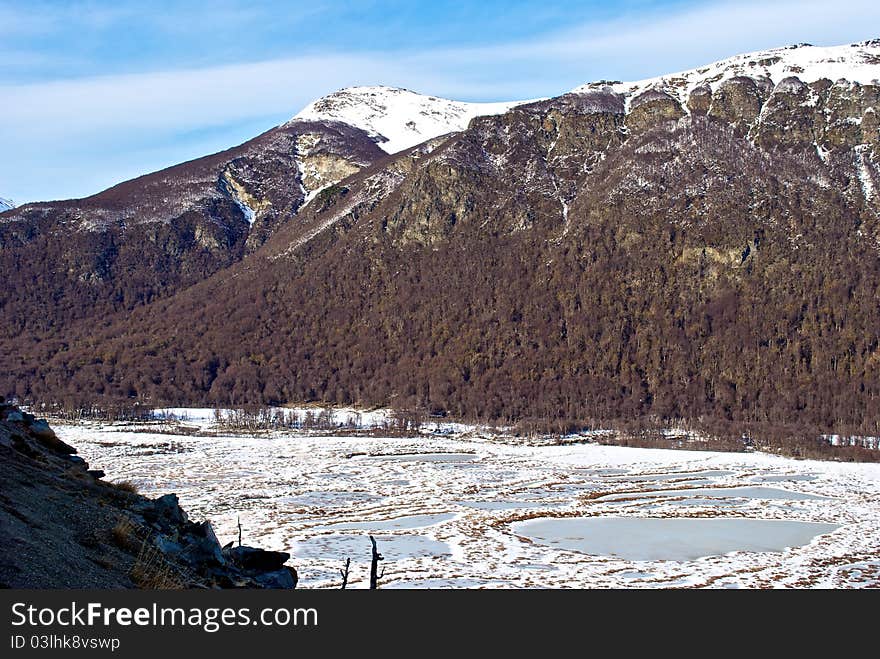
<point x="64" y="527"/>
<point x="320" y="165"/>
<point x="700" y="100"/>
<point x="738" y="102"/>
<point x="265" y="567"/>
<point x="847" y="106"/>
<point x="652" y="108"/>
<point x="789" y="116"/>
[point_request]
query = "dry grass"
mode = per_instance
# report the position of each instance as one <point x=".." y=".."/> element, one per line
<point x="126" y="534"/>
<point x="152" y="571"/>
<point x="106" y="562"/>
<point x="125" y="486"/>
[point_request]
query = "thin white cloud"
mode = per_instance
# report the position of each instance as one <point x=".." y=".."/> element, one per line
<point x="648" y="41"/>
<point x="55" y="117"/>
<point x="176" y="99"/>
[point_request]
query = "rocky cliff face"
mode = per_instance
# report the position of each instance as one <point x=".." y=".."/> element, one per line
<point x="533" y="164"/>
<point x="65" y="527"/>
<point x="702" y="244"/>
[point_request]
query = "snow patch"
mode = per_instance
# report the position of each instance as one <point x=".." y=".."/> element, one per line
<point x="863" y="166"/>
<point x="249" y="213"/>
<point x="236" y="194"/>
<point x="398" y="119"/>
<point x="848" y="64"/>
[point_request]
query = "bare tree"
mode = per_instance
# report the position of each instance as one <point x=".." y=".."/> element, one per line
<point x="344" y="573"/>
<point x="374" y="565"/>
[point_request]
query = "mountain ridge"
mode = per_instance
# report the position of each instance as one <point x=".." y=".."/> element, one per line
<point x="397" y="118"/>
<point x="710" y="256"/>
<point x="855" y="62"/>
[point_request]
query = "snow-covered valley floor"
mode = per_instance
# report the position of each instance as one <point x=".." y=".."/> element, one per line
<point x="465" y="513"/>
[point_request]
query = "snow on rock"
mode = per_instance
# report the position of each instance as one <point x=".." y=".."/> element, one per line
<point x="250" y="215"/>
<point x="790" y="85"/>
<point x="6" y="204"/>
<point x="859" y="62"/>
<point x="398" y="118"/>
<point x="239" y="195"/>
<point x="864" y="171"/>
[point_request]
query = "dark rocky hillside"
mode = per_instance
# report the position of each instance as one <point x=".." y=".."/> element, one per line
<point x="64" y="527"/>
<point x="155" y="235"/>
<point x="594" y="256"/>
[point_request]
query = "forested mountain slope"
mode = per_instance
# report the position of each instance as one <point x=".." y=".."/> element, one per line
<point x="701" y="245"/>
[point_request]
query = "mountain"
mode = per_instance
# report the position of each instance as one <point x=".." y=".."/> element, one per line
<point x="699" y="246"/>
<point x="397" y="119"/>
<point x="157" y="234"/>
<point x="6" y="204"/>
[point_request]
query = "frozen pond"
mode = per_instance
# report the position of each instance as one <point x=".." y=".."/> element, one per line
<point x="392" y="547"/>
<point x="446" y="583"/>
<point x="407" y="522"/>
<point x="446" y="510"/>
<point x="500" y="505"/>
<point x="782" y="478"/>
<point x="668" y="539"/>
<point x="702" y="475"/>
<point x="425" y="457"/>
<point x="329" y="499"/>
<point x="732" y="492"/>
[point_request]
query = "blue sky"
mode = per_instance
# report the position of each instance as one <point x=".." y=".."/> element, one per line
<point x="95" y="92"/>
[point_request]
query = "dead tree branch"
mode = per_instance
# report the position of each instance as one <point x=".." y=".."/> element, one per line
<point x="374" y="566"/>
<point x="344" y="573"/>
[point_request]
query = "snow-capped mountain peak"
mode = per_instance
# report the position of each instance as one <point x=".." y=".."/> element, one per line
<point x="6" y="204"/>
<point x="858" y="62"/>
<point x="398" y="118"/>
